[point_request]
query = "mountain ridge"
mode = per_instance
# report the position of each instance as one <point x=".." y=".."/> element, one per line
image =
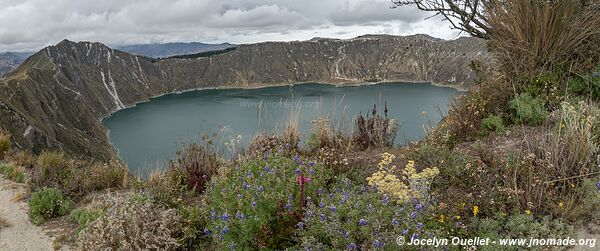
<point x="57" y="98"/>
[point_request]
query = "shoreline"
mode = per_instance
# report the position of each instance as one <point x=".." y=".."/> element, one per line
<point x="261" y="86"/>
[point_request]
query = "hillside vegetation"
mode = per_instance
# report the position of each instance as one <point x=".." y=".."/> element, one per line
<point x="518" y="156"/>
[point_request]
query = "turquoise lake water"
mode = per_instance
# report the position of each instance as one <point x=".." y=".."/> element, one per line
<point x="149" y="134"/>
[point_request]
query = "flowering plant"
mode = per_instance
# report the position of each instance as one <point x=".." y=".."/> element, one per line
<point x="352" y="217"/>
<point x="257" y="205"/>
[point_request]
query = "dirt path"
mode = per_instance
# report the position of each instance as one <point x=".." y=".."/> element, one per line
<point x="20" y="234"/>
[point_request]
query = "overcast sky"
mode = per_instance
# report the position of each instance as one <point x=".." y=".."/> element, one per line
<point x="33" y="24"/>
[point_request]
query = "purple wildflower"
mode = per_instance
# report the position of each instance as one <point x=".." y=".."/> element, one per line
<point x="419" y="206"/>
<point x="246" y="185"/>
<point x="288" y="206"/>
<point x="323" y="217"/>
<point x="362" y="222"/>
<point x="212" y="214"/>
<point x="311" y="163"/>
<point x="225" y="216"/>
<point x="300" y="225"/>
<point x="377" y="244"/>
<point x="385" y="200"/>
<point x="321" y="205"/>
<point x="415" y="236"/>
<point x="225" y="230"/>
<point x="413" y="214"/>
<point x="405" y="232"/>
<point x="419" y="225"/>
<point x="598" y="186"/>
<point x="351" y="246"/>
<point x="267" y="168"/>
<point x="395" y="222"/>
<point x="332" y="208"/>
<point x="297" y="171"/>
<point x="254" y="204"/>
<point x="311" y="171"/>
<point x="239" y="195"/>
<point x="206" y="232"/>
<point x="261" y="188"/>
<point x="249" y="174"/>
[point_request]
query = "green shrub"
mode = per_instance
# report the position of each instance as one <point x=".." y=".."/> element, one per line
<point x="4" y="144"/>
<point x="353" y="217"/>
<point x="528" y="110"/>
<point x="82" y="217"/>
<point x="16" y="174"/>
<point x="257" y="204"/>
<point x="518" y="226"/>
<point x="191" y="228"/>
<point x="492" y="123"/>
<point x="131" y="223"/>
<point x="46" y="204"/>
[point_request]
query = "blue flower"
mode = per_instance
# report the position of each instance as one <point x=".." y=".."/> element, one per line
<point x="300" y="225"/>
<point x="225" y="230"/>
<point x="261" y="188"/>
<point x="598" y="186"/>
<point x="385" y="200"/>
<point x="225" y="216"/>
<point x="362" y="222"/>
<point x="239" y="195"/>
<point x="419" y="225"/>
<point x="377" y="244"/>
<point x="267" y="168"/>
<point x="280" y="149"/>
<point x="415" y="236"/>
<point x="351" y="246"/>
<point x="332" y="208"/>
<point x="395" y="222"/>
<point x="297" y="171"/>
<point x="254" y="204"/>
<point x="345" y="234"/>
<point x="311" y="171"/>
<point x="413" y="214"/>
<point x="405" y="232"/>
<point x="245" y="185"/>
<point x="206" y="232"/>
<point x="323" y="217"/>
<point x="419" y="206"/>
<point x="319" y="191"/>
<point x="311" y="164"/>
<point x="288" y="206"/>
<point x="321" y="205"/>
<point x="240" y="215"/>
<point x="250" y="174"/>
<point x="212" y="214"/>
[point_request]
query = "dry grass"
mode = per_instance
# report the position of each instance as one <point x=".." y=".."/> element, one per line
<point x="532" y="37"/>
<point x="4" y="223"/>
<point x="4" y="144"/>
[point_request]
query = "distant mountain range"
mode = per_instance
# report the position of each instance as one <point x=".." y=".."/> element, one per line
<point x="172" y="49"/>
<point x="10" y="60"/>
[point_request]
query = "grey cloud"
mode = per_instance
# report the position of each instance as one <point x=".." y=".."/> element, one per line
<point x="31" y="24"/>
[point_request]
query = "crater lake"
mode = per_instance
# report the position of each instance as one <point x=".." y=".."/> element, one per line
<point x="149" y="134"/>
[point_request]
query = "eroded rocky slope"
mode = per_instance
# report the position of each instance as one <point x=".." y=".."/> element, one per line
<point x="58" y="97"/>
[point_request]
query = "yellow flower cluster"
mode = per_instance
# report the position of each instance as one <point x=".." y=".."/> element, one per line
<point x="402" y="190"/>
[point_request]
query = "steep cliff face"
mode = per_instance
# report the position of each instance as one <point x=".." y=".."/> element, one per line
<point x="58" y="97"/>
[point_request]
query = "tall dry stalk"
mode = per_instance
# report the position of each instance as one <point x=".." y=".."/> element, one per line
<point x="533" y="36"/>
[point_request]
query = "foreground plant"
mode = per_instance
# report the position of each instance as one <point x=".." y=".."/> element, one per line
<point x="46" y="204"/>
<point x="411" y="184"/>
<point x="257" y="204"/>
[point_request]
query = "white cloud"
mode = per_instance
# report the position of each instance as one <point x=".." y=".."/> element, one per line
<point x="32" y="24"/>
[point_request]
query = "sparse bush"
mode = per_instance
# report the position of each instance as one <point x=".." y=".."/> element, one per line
<point x="375" y="131"/>
<point x="286" y="144"/>
<point x="82" y="217"/>
<point x="22" y="158"/>
<point x="4" y="144"/>
<point x="197" y="164"/>
<point x="257" y="204"/>
<point x="16" y="174"/>
<point x="492" y="123"/>
<point x="191" y="227"/>
<point x="46" y="204"/>
<point x="528" y="110"/>
<point x="100" y="176"/>
<point x="560" y="161"/>
<point x="52" y="169"/>
<point x="131" y="223"/>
